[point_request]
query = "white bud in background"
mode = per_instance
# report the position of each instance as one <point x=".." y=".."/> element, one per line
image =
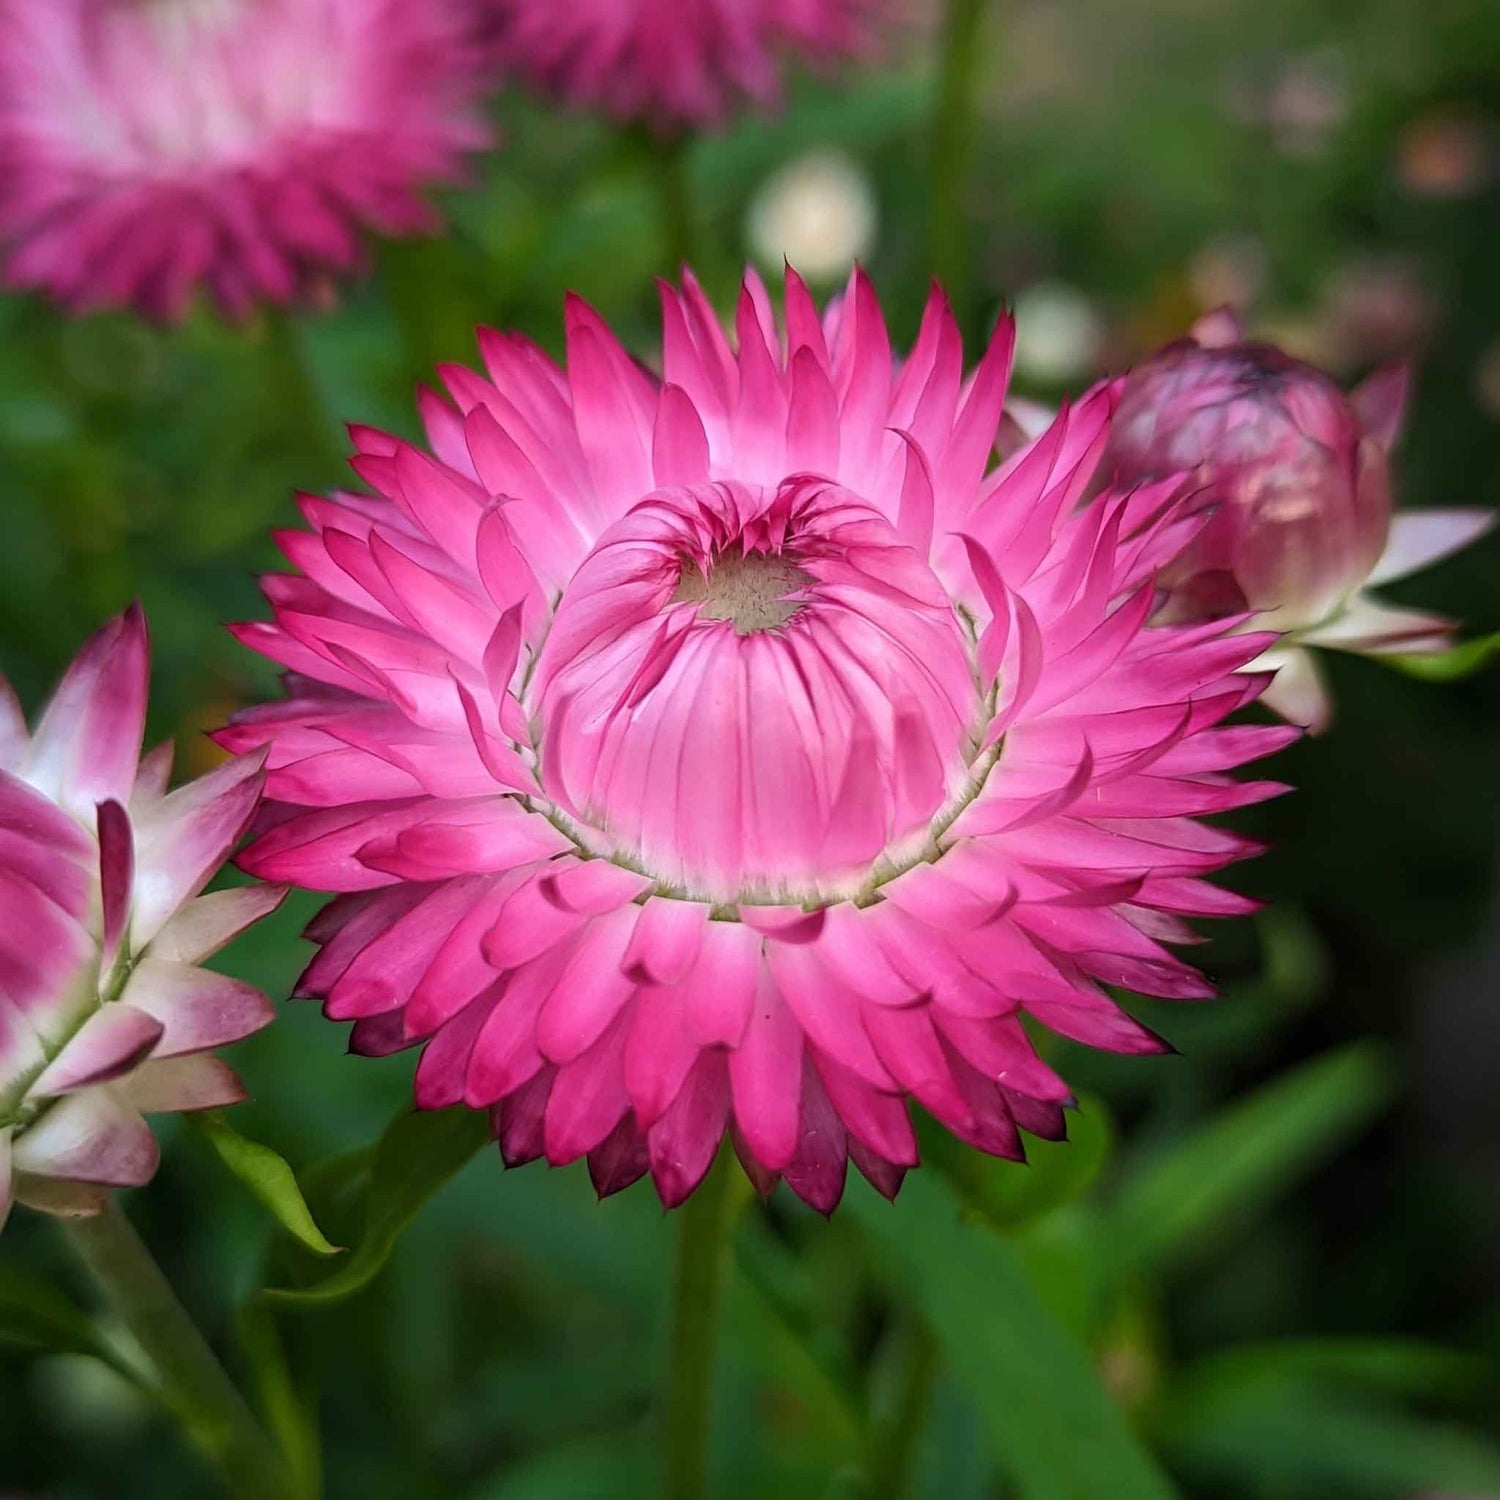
<point x="1058" y="333"/>
<point x="818" y="212"/>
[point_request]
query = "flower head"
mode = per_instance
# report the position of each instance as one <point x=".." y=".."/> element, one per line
<point x="104" y="1012"/>
<point x="1300" y="474"/>
<point x="732" y="751"/>
<point x="154" y="147"/>
<point x="673" y="63"/>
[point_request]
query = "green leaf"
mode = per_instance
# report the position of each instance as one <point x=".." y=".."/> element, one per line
<point x="1052" y="1423"/>
<point x="1297" y="1442"/>
<point x="1464" y="660"/>
<point x="36" y="1317"/>
<point x="1187" y="1198"/>
<point x="418" y="1153"/>
<point x="1407" y="1368"/>
<point x="267" y="1176"/>
<point x="1010" y="1195"/>
<point x="618" y="1465"/>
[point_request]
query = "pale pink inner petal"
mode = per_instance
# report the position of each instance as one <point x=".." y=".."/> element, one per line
<point x="750" y="689"/>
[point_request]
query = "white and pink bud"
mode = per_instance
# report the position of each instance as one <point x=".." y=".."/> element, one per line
<point x="105" y="1014"/>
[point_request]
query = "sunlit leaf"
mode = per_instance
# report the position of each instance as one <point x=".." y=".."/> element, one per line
<point x="268" y="1177"/>
<point x="1223" y="1174"/>
<point x="418" y="1153"/>
<point x="1052" y="1423"/>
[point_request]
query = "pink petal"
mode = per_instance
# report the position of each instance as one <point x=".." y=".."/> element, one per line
<point x="90" y="1137"/>
<point x="205" y="925"/>
<point x="199" y="1009"/>
<point x="110" y="1043"/>
<point x="180" y="1085"/>
<point x="88" y="743"/>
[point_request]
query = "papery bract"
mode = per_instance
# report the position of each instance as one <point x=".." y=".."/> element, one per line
<point x="1300" y="477"/>
<point x="734" y="751"/>
<point x="673" y="63"/>
<point x="105" y="1014"/>
<point x="149" y="148"/>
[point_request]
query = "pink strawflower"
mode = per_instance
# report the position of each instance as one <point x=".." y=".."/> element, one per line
<point x="104" y="1012"/>
<point x="1300" y="475"/>
<point x="673" y="63"/>
<point x="149" y="148"/>
<point x="731" y="751"/>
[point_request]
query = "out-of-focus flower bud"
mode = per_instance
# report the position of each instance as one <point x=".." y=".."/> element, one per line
<point x="1298" y="474"/>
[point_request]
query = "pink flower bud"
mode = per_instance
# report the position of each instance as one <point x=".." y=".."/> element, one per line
<point x="1298" y="470"/>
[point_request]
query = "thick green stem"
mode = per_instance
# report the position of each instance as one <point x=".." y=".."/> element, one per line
<point x="296" y="389"/>
<point x="952" y="145"/>
<point x="702" y="1258"/>
<point x="675" y="188"/>
<point x="193" y="1382"/>
<point x="896" y="1438"/>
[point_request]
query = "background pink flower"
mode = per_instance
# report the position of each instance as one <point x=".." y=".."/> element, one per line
<point x="732" y="751"/>
<point x="672" y="62"/>
<point x="148" y="150"/>
<point x="104" y="1012"/>
<point x="1300" y="476"/>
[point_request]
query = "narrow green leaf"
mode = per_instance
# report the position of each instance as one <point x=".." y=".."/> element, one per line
<point x="1302" y="1442"/>
<point x="36" y="1317"/>
<point x="268" y="1177"/>
<point x="1465" y="659"/>
<point x="1052" y="1423"/>
<point x="1221" y="1176"/>
<point x="418" y="1153"/>
<point x="1397" y="1367"/>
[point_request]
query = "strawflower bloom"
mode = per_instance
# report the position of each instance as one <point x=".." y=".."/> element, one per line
<point x="1301" y="479"/>
<point x="150" y="148"/>
<point x="105" y="1015"/>
<point x="673" y="63"/>
<point x="733" y="751"/>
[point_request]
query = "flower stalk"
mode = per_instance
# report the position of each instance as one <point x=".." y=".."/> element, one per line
<point x="895" y="1439"/>
<point x="193" y="1382"/>
<point x="674" y="186"/>
<point x="702" y="1259"/>
<point x="952" y="142"/>
<point x="292" y="376"/>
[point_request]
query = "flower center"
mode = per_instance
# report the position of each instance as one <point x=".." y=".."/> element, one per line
<point x="750" y="591"/>
<point x="754" y="694"/>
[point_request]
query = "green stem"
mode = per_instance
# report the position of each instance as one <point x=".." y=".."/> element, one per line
<point x="702" y="1258"/>
<point x="295" y="387"/>
<point x="675" y="188"/>
<point x="193" y="1381"/>
<point x="952" y="146"/>
<point x="896" y="1438"/>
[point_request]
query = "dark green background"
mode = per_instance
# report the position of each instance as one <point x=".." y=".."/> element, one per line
<point x="1274" y="1239"/>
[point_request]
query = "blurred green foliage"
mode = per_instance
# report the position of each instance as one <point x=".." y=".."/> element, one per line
<point x="1262" y="1270"/>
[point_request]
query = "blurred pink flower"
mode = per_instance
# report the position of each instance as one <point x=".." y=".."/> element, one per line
<point x="674" y="63"/>
<point x="1300" y="474"/>
<point x="104" y="1012"/>
<point x="734" y="751"/>
<point x="150" y="149"/>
